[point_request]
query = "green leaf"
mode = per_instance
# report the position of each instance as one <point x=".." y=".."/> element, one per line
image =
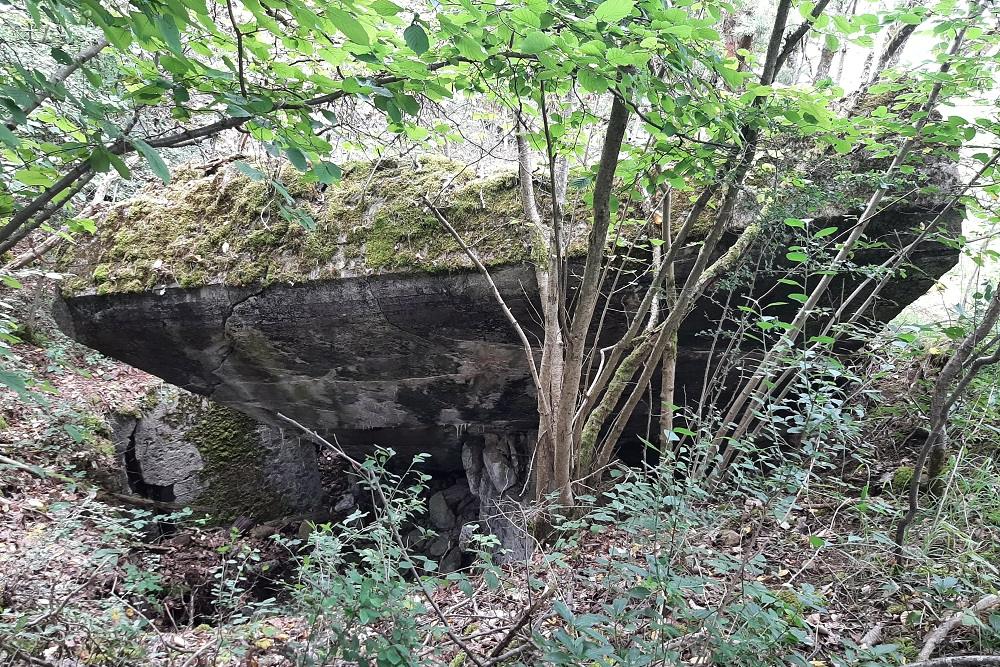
<point x="252" y="173"/>
<point x="526" y="16"/>
<point x="120" y="166"/>
<point x="386" y="7"/>
<point x="75" y="432"/>
<point x="416" y="38"/>
<point x="682" y="31"/>
<point x="60" y="56"/>
<point x="392" y="110"/>
<point x="297" y="158"/>
<point x="15" y="382"/>
<point x="470" y="48"/>
<point x="82" y="225"/>
<point x="795" y="222"/>
<point x="34" y="177"/>
<point x="408" y="103"/>
<point x="535" y="41"/>
<point x="591" y="81"/>
<point x="826" y="231"/>
<point x="7" y="137"/>
<point x="613" y="11"/>
<point x="152" y="157"/>
<point x="348" y="25"/>
<point x="326" y="172"/>
<point x="169" y="32"/>
<point x="100" y="160"/>
<point x="797" y="256"/>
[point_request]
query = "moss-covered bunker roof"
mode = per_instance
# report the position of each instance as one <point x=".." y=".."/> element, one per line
<point x="226" y="228"/>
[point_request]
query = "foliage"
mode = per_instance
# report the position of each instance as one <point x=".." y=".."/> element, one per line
<point x="683" y="111"/>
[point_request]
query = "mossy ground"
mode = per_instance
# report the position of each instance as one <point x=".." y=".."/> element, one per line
<point x="227" y="228"/>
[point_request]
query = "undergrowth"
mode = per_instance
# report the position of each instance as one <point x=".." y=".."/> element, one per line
<point x="786" y="563"/>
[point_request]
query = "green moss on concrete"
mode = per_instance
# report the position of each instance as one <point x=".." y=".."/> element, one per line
<point x="233" y="466"/>
<point x="226" y="228"/>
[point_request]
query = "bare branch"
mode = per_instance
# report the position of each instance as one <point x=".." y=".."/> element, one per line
<point x="59" y="77"/>
<point x="493" y="287"/>
<point x="937" y="635"/>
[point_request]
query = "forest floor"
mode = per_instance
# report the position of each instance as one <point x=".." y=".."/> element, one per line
<point x="801" y="565"/>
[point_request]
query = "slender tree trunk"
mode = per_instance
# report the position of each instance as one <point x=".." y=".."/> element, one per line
<point x="958" y="372"/>
<point x="738" y="418"/>
<point x="668" y="375"/>
<point x="825" y="62"/>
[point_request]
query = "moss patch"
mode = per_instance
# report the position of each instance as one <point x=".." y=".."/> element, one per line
<point x="226" y="228"/>
<point x="901" y="478"/>
<point x="233" y="465"/>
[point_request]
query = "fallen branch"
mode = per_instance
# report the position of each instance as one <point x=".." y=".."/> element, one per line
<point x="35" y="470"/>
<point x="937" y="635"/>
<point x="872" y="637"/>
<point x="959" y="661"/>
<point x="62" y="605"/>
<point x="139" y="501"/>
<point x="520" y="623"/>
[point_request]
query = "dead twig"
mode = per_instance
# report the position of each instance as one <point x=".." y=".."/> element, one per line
<point x="937" y="635"/>
<point x="528" y="350"/>
<point x="959" y="661"/>
<point x="522" y="621"/>
<point x="872" y="637"/>
<point x="35" y="470"/>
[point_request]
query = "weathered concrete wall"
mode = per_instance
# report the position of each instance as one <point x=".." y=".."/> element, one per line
<point x="374" y="327"/>
<point x="188" y="450"/>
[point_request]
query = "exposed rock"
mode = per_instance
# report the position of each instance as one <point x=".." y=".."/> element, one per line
<point x="451" y="561"/>
<point x="306" y="529"/>
<point x="414" y="361"/>
<point x="414" y="538"/>
<point x="728" y="538"/>
<point x="465" y="537"/>
<point x="440" y="514"/>
<point x="438" y="546"/>
<point x="499" y="462"/>
<point x="179" y="541"/>
<point x="264" y="531"/>
<point x="345" y="503"/>
<point x="456" y="494"/>
<point x="498" y="457"/>
<point x="184" y="448"/>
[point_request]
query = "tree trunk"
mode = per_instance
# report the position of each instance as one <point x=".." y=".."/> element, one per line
<point x="825" y="62"/>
